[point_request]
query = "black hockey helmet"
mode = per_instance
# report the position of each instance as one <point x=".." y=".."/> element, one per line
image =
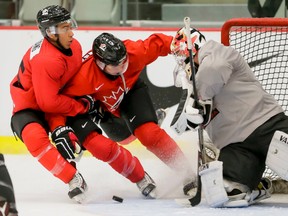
<point x="108" y="50"/>
<point x="52" y="15"/>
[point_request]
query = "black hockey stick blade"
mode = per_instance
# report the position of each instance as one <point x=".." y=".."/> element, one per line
<point x="194" y="201"/>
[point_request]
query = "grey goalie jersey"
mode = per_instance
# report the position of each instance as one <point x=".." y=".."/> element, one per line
<point x="240" y="104"/>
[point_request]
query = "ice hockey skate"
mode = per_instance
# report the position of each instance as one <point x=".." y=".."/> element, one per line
<point x="147" y="186"/>
<point x="77" y="188"/>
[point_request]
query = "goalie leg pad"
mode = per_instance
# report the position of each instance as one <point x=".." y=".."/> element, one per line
<point x="277" y="159"/>
<point x="212" y="183"/>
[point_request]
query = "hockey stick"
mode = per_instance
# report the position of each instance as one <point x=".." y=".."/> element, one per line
<point x="197" y="198"/>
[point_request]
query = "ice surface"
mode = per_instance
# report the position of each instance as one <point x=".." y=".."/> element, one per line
<point x="39" y="193"/>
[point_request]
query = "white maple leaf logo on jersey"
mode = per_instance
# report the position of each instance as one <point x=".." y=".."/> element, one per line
<point x="113" y="101"/>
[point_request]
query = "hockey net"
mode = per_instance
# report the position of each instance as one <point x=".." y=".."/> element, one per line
<point x="263" y="42"/>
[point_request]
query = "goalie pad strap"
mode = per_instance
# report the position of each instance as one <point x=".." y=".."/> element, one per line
<point x="277" y="159"/>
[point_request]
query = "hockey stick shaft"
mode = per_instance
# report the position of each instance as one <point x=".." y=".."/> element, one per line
<point x="189" y="46"/>
<point x="197" y="198"/>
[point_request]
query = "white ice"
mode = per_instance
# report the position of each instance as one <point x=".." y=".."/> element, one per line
<point x="38" y="193"/>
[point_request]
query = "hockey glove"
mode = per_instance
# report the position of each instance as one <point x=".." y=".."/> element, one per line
<point x="98" y="113"/>
<point x="194" y="118"/>
<point x="66" y="141"/>
<point x="89" y="103"/>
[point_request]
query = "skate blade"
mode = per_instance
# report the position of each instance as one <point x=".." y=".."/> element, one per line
<point x="80" y="198"/>
<point x="152" y="194"/>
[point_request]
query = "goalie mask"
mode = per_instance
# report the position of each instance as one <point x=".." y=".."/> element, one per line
<point x="49" y="17"/>
<point x="179" y="46"/>
<point x="110" y="52"/>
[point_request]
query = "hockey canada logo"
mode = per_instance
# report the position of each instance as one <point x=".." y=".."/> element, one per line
<point x="102" y="47"/>
<point x="113" y="101"/>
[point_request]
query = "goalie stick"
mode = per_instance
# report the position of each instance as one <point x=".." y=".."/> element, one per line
<point x="197" y="198"/>
<point x="186" y="93"/>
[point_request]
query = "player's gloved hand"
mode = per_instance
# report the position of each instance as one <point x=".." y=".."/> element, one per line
<point x="98" y="113"/>
<point x="89" y="103"/>
<point x="66" y="141"/>
<point x="198" y="115"/>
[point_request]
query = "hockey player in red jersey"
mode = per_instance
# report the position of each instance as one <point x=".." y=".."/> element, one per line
<point x="36" y="93"/>
<point x="110" y="73"/>
<point x="44" y="70"/>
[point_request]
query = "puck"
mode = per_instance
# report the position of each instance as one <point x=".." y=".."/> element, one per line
<point x="118" y="199"/>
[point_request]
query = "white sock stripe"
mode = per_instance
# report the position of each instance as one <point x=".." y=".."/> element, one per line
<point x="129" y="169"/>
<point x="115" y="156"/>
<point x="58" y="166"/>
<point x="39" y="156"/>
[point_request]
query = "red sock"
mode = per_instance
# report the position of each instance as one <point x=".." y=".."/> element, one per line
<point x="38" y="144"/>
<point x="119" y="158"/>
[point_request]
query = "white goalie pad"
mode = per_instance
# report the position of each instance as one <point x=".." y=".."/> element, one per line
<point x="212" y="183"/>
<point x="277" y="156"/>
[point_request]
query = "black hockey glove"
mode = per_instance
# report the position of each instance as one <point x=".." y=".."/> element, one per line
<point x="94" y="108"/>
<point x="97" y="114"/>
<point x="66" y="141"/>
<point x="89" y="102"/>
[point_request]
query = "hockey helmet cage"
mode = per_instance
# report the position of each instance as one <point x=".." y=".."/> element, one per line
<point x="108" y="50"/>
<point x="179" y="43"/>
<point x="50" y="16"/>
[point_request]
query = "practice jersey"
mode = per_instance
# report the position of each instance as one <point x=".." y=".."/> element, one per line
<point x="240" y="104"/>
<point x="43" y="72"/>
<point x="91" y="80"/>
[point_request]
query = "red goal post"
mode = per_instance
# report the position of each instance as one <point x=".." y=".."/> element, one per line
<point x="263" y="23"/>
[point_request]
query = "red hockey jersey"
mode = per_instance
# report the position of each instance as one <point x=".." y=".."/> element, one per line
<point x="43" y="72"/>
<point x="91" y="80"/>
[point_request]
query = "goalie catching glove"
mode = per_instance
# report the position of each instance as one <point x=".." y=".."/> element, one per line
<point x="190" y="117"/>
<point x="66" y="142"/>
